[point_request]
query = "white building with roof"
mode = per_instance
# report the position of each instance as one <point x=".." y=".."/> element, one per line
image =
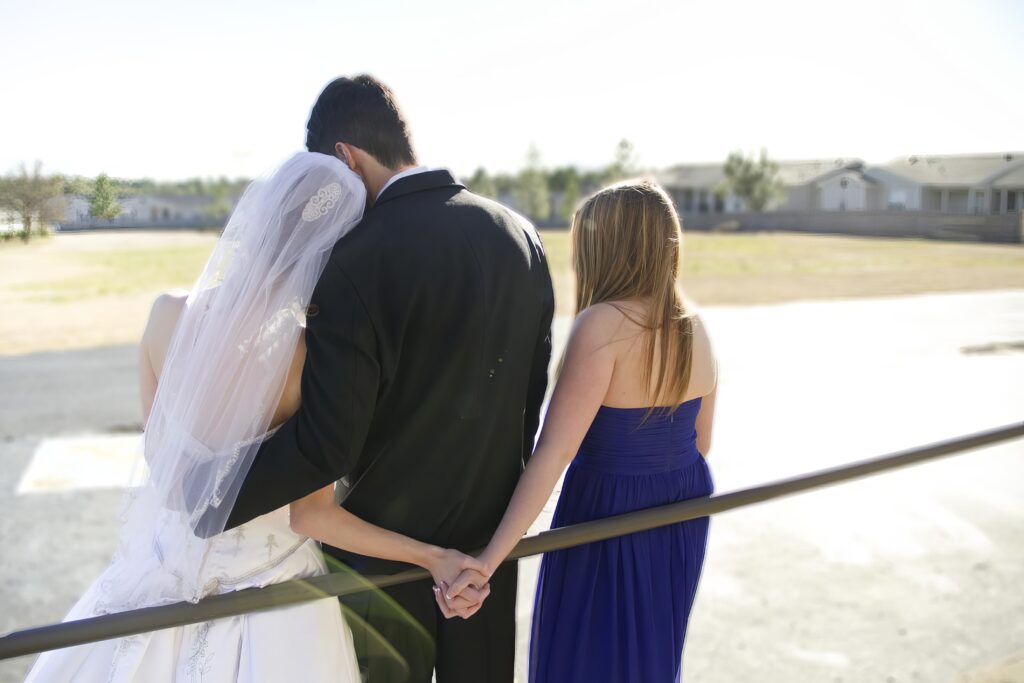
<point x="970" y="183"/>
<point x="952" y="184"/>
<point x="147" y="210"/>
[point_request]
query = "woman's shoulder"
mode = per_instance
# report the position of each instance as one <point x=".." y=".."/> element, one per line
<point x="166" y="311"/>
<point x="611" y="325"/>
<point x="705" y="362"/>
<point x="622" y="321"/>
<point x="609" y="318"/>
<point x="699" y="325"/>
<point x="169" y="303"/>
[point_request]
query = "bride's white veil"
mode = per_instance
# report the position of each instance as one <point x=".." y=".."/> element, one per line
<point x="224" y="374"/>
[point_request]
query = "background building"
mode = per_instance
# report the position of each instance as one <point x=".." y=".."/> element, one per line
<point x="960" y="184"/>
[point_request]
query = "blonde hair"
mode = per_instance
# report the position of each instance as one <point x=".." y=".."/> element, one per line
<point x="627" y="244"/>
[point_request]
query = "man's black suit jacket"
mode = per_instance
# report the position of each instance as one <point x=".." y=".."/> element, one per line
<point x="428" y="341"/>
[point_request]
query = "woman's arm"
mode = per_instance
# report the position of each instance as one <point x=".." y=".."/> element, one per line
<point x="319" y="517"/>
<point x="581" y="388"/>
<point x="163" y="317"/>
<point x="706" y="415"/>
<point x="705" y="421"/>
<point x="147" y="379"/>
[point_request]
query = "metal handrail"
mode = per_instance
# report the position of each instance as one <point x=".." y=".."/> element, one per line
<point x="67" y="634"/>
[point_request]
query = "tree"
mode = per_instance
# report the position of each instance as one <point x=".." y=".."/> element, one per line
<point x="559" y="177"/>
<point x="532" y="188"/>
<point x="624" y="164"/>
<point x="103" y="201"/>
<point x="505" y="183"/>
<point x="77" y="185"/>
<point x="219" y="192"/>
<point x="37" y="199"/>
<point x="570" y="196"/>
<point x="483" y="184"/>
<point x="755" y="181"/>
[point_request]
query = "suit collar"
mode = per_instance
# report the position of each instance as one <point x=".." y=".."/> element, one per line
<point x="427" y="180"/>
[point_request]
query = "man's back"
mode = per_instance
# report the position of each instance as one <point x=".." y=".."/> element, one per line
<point x="459" y="299"/>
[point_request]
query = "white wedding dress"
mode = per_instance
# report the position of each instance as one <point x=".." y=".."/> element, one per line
<point x="223" y="375"/>
<point x="309" y="642"/>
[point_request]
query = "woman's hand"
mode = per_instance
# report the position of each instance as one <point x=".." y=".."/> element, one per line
<point x="319" y="517"/>
<point x="445" y="566"/>
<point x="469" y="578"/>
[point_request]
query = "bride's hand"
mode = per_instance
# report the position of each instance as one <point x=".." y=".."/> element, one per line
<point x="446" y="564"/>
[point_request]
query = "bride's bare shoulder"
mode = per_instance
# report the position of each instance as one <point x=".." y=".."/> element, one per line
<point x="164" y="314"/>
<point x="169" y="305"/>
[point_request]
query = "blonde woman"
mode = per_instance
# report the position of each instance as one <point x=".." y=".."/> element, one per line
<point x="632" y="412"/>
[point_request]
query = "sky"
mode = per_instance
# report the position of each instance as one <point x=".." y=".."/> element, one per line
<point x="203" y="88"/>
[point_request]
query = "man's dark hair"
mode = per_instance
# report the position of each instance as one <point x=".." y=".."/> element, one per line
<point x="362" y="112"/>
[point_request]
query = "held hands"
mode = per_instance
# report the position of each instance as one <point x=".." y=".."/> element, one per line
<point x="471" y="579"/>
<point x="471" y="585"/>
<point x="448" y="567"/>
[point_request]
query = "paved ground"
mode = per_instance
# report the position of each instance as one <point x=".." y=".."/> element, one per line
<point x="914" y="576"/>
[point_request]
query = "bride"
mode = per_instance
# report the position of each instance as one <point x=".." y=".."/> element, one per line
<point x="220" y="370"/>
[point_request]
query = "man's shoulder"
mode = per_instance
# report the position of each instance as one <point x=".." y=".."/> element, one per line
<point x="504" y="219"/>
<point x="493" y="207"/>
<point x="446" y="203"/>
<point x="416" y="219"/>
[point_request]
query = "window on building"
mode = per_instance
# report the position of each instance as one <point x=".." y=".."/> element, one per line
<point x="897" y="199"/>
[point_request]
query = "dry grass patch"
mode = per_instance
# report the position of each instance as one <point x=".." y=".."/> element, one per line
<point x="82" y="290"/>
<point x="775" y="267"/>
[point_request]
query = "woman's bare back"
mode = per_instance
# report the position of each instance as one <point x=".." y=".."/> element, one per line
<point x="627" y="389"/>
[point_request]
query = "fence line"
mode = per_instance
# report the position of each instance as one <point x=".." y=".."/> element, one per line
<point x="980" y="227"/>
<point x="35" y="640"/>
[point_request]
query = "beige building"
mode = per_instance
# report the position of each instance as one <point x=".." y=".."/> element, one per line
<point x="956" y="184"/>
<point x="146" y="210"/>
<point x="973" y="184"/>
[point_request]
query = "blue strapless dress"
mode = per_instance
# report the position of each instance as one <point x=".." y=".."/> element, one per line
<point x="617" y="610"/>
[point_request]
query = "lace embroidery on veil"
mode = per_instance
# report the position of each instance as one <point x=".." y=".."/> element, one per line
<point x="322" y="202"/>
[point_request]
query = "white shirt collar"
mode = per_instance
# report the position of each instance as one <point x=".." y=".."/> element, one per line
<point x="404" y="174"/>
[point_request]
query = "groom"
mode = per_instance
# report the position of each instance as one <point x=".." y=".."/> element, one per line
<point x="428" y="341"/>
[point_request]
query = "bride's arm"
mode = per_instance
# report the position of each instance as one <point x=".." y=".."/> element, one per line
<point x="163" y="316"/>
<point x="319" y="517"/>
<point x="147" y="373"/>
<point x="147" y="379"/>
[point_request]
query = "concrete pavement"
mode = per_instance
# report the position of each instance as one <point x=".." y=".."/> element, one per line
<point x="912" y="576"/>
